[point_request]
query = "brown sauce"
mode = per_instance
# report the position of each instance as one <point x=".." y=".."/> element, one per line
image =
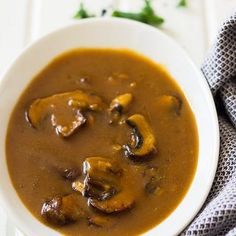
<point x="143" y="145"/>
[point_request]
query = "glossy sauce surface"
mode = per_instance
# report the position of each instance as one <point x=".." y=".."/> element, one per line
<point x="38" y="156"/>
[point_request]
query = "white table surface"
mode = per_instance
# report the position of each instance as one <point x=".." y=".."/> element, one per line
<point x="23" y="21"/>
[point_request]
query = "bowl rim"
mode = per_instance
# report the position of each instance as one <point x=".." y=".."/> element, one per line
<point x="3" y="79"/>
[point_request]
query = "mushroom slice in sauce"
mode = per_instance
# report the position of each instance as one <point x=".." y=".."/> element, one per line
<point x="93" y="165"/>
<point x="118" y="203"/>
<point x="102" y="186"/>
<point x="99" y="221"/>
<point x="142" y="139"/>
<point x="152" y="180"/>
<point x="102" y="178"/>
<point x="100" y="189"/>
<point x="121" y="102"/>
<point x="113" y="199"/>
<point x="170" y="103"/>
<point x="64" y="109"/>
<point x="119" y="105"/>
<point x="67" y="129"/>
<point x="62" y="210"/>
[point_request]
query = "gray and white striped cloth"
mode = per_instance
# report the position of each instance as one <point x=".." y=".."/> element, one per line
<point x="218" y="215"/>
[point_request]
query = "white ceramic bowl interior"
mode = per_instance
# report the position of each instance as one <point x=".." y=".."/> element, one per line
<point x="115" y="33"/>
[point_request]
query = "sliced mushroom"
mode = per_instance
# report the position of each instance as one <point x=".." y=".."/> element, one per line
<point x="118" y="106"/>
<point x="118" y="203"/>
<point x="66" y="129"/>
<point x="93" y="165"/>
<point x="152" y="180"/>
<point x="99" y="221"/>
<point x="121" y="102"/>
<point x="62" y="210"/>
<point x="101" y="189"/>
<point x="142" y="138"/>
<point x="78" y="99"/>
<point x="170" y="103"/>
<point x="64" y="109"/>
<point x="103" y="185"/>
<point x="100" y="180"/>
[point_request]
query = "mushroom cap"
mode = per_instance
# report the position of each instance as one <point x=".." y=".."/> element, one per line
<point x="143" y="140"/>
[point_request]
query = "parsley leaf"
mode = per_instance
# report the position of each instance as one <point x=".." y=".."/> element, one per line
<point x="147" y="15"/>
<point x="182" y="3"/>
<point x="82" y="13"/>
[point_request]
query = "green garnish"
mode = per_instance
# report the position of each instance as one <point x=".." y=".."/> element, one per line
<point x="147" y="15"/>
<point x="182" y="3"/>
<point x="82" y="13"/>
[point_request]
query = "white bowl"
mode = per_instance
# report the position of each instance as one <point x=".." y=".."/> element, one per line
<point x="115" y="33"/>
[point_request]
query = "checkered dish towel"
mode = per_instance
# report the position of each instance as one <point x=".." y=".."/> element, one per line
<point x="218" y="215"/>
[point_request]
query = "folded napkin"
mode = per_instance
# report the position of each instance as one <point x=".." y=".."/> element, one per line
<point x="218" y="215"/>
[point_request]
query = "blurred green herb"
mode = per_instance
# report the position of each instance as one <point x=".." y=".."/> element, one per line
<point x="182" y="3"/>
<point x="82" y="13"/>
<point x="146" y="15"/>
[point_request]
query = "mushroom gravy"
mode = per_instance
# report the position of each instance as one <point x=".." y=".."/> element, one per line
<point x="102" y="142"/>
